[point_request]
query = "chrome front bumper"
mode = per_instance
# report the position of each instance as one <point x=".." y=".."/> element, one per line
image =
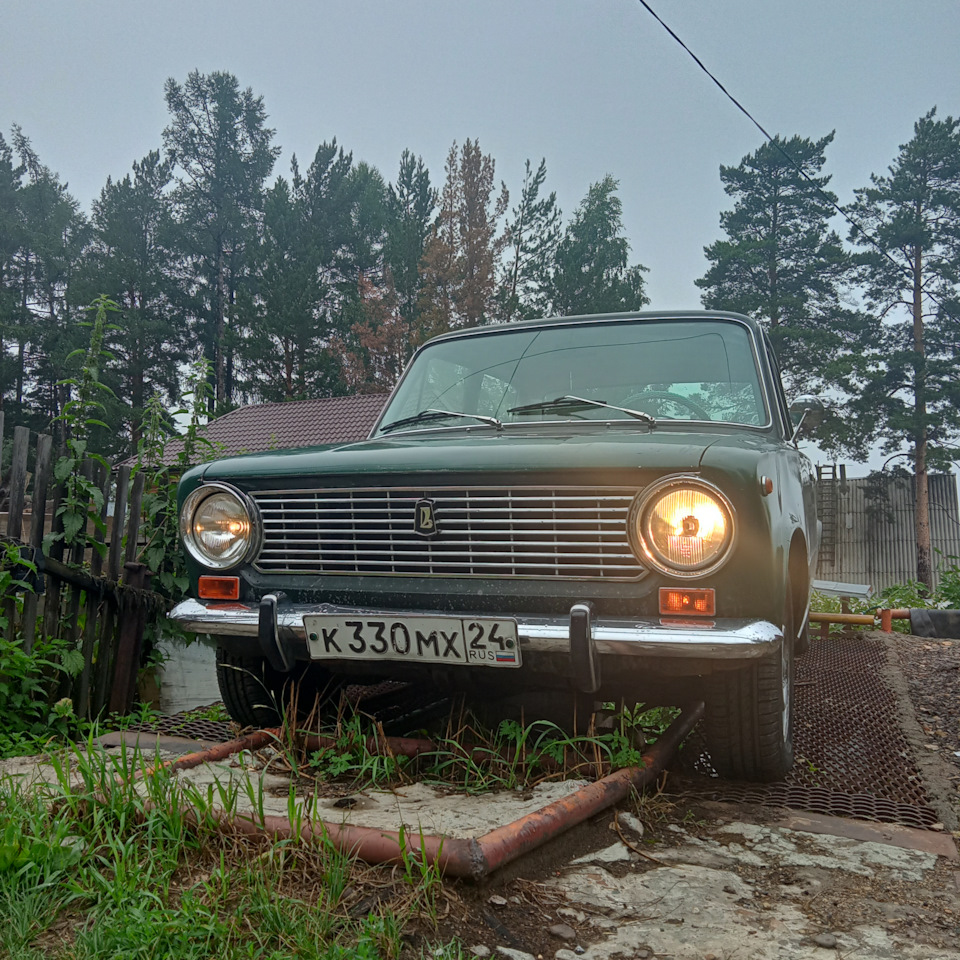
<point x="652" y="637"/>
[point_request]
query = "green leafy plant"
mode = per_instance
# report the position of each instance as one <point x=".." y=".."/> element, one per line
<point x="161" y="552"/>
<point x="82" y="501"/>
<point x="948" y="587"/>
<point x="350" y="757"/>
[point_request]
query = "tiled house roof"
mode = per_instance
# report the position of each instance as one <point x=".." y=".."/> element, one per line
<point x="301" y="423"/>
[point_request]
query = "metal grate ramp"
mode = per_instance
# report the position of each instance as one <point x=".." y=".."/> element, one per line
<point x="852" y="757"/>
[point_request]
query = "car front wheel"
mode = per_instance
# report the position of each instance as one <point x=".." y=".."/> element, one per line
<point x="749" y="714"/>
<point x="256" y="695"/>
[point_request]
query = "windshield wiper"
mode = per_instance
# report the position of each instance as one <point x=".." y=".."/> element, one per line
<point x="569" y="402"/>
<point x="431" y="414"/>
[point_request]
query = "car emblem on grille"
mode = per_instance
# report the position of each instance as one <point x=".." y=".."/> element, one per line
<point x="425" y="519"/>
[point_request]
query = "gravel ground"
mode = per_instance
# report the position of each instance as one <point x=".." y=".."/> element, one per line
<point x="932" y="671"/>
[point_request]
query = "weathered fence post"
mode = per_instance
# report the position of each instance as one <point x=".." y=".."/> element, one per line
<point x="18" y="482"/>
<point x="106" y="647"/>
<point x="41" y="478"/>
<point x="93" y="601"/>
<point x="127" y="655"/>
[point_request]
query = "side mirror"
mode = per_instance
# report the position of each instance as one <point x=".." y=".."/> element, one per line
<point x="807" y="414"/>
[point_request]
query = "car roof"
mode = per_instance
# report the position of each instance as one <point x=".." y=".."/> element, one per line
<point x="648" y="315"/>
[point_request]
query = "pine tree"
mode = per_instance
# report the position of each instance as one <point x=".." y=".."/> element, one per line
<point x="11" y="294"/>
<point x="323" y="238"/>
<point x="131" y="260"/>
<point x="590" y="272"/>
<point x="411" y="202"/>
<point x="285" y="351"/>
<point x="54" y="233"/>
<point x="462" y="256"/>
<point x="222" y="153"/>
<point x="780" y="261"/>
<point x="906" y="387"/>
<point x="533" y="237"/>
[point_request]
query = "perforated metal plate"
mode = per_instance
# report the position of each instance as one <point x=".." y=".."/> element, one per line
<point x="852" y="757"/>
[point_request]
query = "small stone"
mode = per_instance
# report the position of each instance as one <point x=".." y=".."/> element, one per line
<point x="937" y="826"/>
<point x="511" y="954"/>
<point x="578" y="950"/>
<point x="729" y="889"/>
<point x="635" y="824"/>
<point x="570" y="914"/>
<point x="562" y="931"/>
<point x="826" y="940"/>
<point x="642" y="954"/>
<point x="497" y="901"/>
<point x="480" y="951"/>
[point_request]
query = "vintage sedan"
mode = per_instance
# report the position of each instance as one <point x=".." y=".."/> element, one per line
<point x="553" y="513"/>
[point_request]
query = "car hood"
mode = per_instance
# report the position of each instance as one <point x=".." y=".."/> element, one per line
<point x="477" y="453"/>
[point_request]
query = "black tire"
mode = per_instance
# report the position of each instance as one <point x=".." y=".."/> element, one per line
<point x="256" y="695"/>
<point x="749" y="714"/>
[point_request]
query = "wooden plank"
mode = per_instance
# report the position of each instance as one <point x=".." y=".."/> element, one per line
<point x="108" y="639"/>
<point x="130" y="634"/>
<point x="119" y="523"/>
<point x="41" y="478"/>
<point x="51" y="603"/>
<point x="16" y="493"/>
<point x="127" y="657"/>
<point x="106" y="656"/>
<point x="133" y="520"/>
<point x="18" y="481"/>
<point x="92" y="603"/>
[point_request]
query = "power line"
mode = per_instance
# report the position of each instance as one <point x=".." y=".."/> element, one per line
<point x="902" y="269"/>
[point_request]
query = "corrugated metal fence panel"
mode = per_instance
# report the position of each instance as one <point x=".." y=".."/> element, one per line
<point x="876" y="534"/>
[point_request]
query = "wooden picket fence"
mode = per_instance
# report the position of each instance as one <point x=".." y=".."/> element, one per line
<point x="98" y="605"/>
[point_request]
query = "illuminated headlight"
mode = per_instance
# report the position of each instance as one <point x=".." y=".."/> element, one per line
<point x="218" y="527"/>
<point x="683" y="527"/>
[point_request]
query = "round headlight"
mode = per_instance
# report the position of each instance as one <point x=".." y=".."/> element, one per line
<point x="684" y="527"/>
<point x="216" y="523"/>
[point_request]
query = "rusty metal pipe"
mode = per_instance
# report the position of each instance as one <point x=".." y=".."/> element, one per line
<point x="398" y="746"/>
<point x="504" y="844"/>
<point x="855" y="619"/>
<point x="472" y="858"/>
<point x="253" y="741"/>
<point x="888" y="616"/>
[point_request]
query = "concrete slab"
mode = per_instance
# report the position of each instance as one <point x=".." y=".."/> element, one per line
<point x="748" y="891"/>
<point x="418" y="807"/>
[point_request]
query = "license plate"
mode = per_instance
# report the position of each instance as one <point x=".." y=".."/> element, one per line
<point x="474" y="642"/>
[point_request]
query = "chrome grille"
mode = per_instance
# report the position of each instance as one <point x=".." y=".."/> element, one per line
<point x="542" y="532"/>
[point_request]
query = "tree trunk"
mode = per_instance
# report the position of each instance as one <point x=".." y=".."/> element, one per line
<point x="922" y="502"/>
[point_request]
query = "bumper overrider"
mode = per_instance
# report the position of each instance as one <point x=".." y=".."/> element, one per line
<point x="278" y="627"/>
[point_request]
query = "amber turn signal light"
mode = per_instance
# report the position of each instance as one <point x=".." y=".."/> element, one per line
<point x="219" y="588"/>
<point x="696" y="603"/>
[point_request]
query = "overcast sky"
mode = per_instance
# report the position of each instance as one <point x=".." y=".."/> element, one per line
<point x="594" y="86"/>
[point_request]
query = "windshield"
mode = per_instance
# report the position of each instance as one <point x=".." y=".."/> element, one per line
<point x="672" y="370"/>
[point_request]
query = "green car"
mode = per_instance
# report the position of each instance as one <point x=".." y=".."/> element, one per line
<point x="549" y="513"/>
